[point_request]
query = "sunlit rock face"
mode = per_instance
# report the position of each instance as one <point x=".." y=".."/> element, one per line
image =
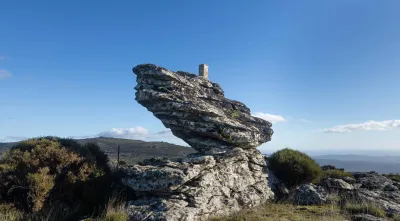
<point x="198" y="186"/>
<point x="196" y="110"/>
<point x="227" y="174"/>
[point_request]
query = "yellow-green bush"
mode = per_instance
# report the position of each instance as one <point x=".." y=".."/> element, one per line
<point x="294" y="167"/>
<point x="40" y="171"/>
<point x="394" y="177"/>
<point x="337" y="174"/>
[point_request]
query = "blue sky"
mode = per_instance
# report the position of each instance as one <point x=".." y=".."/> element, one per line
<point x="322" y="69"/>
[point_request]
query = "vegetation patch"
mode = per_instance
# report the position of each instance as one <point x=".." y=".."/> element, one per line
<point x="51" y="175"/>
<point x="354" y="208"/>
<point x="394" y="177"/>
<point x="337" y="174"/>
<point x="294" y="167"/>
<point x="288" y="212"/>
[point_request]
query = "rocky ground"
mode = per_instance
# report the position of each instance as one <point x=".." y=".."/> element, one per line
<point x="370" y="189"/>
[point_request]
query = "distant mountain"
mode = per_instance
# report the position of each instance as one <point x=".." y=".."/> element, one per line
<point x="133" y="151"/>
<point x="5" y="146"/>
<point x="362" y="166"/>
<point x="366" y="158"/>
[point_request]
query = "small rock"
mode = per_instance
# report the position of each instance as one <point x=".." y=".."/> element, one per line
<point x="390" y="187"/>
<point x="350" y="180"/>
<point x="338" y="184"/>
<point x="372" y="180"/>
<point x="308" y="194"/>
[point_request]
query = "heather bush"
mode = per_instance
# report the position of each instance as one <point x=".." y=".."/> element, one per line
<point x="41" y="171"/>
<point x="294" y="167"/>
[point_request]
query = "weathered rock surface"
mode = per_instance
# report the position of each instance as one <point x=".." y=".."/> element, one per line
<point x="198" y="186"/>
<point x="372" y="180"/>
<point x="378" y="190"/>
<point x="308" y="194"/>
<point x="227" y="174"/>
<point x="349" y="180"/>
<point x="366" y="217"/>
<point x="196" y="110"/>
<point x="391" y="187"/>
<point x="338" y="184"/>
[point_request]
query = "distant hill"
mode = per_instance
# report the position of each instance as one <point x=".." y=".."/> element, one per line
<point x="365" y="158"/>
<point x="362" y="166"/>
<point x="131" y="151"/>
<point x="5" y="146"/>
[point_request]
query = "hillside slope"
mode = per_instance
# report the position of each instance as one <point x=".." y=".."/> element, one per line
<point x="131" y="151"/>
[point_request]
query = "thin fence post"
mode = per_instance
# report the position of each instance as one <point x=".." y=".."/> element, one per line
<point x="118" y="158"/>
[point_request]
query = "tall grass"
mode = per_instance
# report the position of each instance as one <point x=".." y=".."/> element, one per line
<point x="365" y="208"/>
<point x="114" y="210"/>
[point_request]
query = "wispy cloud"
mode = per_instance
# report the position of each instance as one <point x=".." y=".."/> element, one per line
<point x="366" y="126"/>
<point x="304" y="120"/>
<point x="269" y="117"/>
<point x="165" y="132"/>
<point x="131" y="133"/>
<point x="13" y="138"/>
<point x="137" y="133"/>
<point x="2" y="57"/>
<point x="4" y="74"/>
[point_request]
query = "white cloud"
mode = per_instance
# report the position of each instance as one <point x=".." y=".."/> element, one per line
<point x="129" y="133"/>
<point x="4" y="74"/>
<point x="269" y="117"/>
<point x="138" y="133"/>
<point x="366" y="126"/>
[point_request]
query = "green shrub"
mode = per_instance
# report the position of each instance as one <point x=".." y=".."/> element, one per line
<point x="394" y="177"/>
<point x="41" y="171"/>
<point x="365" y="209"/>
<point x="335" y="173"/>
<point x="294" y="167"/>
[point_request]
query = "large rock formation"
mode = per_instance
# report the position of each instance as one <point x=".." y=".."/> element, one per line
<point x="196" y="110"/>
<point x="198" y="186"/>
<point x="226" y="175"/>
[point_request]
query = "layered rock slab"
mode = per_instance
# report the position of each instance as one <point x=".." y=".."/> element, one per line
<point x="226" y="175"/>
<point x="196" y="110"/>
<point x="198" y="186"/>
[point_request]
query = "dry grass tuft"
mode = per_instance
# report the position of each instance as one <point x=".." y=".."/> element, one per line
<point x="365" y="209"/>
<point x="286" y="212"/>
